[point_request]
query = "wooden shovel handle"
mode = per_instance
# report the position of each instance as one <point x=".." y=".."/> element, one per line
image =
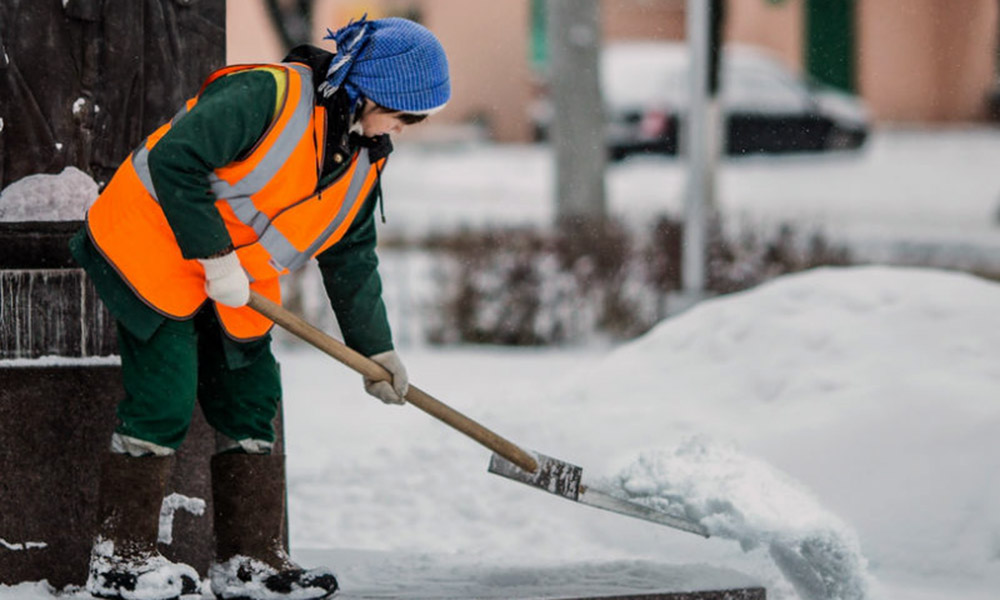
<point x="372" y="370"/>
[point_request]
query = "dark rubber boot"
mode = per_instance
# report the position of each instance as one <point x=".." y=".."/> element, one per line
<point x="248" y="494"/>
<point x="124" y="562"/>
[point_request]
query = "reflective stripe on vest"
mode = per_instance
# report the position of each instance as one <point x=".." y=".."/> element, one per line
<point x="140" y="162"/>
<point x="140" y="158"/>
<point x="282" y="250"/>
<point x="277" y="245"/>
<point x="237" y="195"/>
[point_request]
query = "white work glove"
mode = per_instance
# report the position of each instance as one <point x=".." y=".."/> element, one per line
<point x="396" y="392"/>
<point x="225" y="280"/>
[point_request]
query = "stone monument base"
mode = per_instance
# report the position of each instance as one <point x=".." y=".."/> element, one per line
<point x="55" y="426"/>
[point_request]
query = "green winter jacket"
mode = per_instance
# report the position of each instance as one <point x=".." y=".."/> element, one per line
<point x="231" y="115"/>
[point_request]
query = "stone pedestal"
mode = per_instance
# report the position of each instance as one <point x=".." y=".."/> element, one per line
<point x="59" y="385"/>
<point x="47" y="306"/>
<point x="56" y="422"/>
<point x="124" y="67"/>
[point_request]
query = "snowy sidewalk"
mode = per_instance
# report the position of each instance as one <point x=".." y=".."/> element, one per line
<point x="385" y="575"/>
<point x="794" y="384"/>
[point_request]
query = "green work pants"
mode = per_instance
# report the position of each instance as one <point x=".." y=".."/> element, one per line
<point x="184" y="362"/>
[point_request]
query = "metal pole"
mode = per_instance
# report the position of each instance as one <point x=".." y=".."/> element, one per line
<point x="699" y="146"/>
<point x="578" y="125"/>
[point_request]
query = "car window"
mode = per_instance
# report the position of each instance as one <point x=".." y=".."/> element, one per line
<point x="637" y="75"/>
<point x="758" y="90"/>
<point x="641" y="75"/>
<point x="627" y="88"/>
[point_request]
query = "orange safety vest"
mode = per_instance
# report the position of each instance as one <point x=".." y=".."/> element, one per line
<point x="269" y="202"/>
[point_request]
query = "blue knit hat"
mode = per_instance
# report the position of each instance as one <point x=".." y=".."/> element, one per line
<point x="394" y="62"/>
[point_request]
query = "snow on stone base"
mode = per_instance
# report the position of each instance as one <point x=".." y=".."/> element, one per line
<point x="42" y="197"/>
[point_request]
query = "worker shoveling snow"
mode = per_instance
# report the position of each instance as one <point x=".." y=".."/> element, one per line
<point x="743" y="498"/>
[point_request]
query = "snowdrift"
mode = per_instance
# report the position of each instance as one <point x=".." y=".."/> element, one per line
<point x="878" y="389"/>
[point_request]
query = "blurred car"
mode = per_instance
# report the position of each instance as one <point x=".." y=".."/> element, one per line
<point x="993" y="102"/>
<point x="765" y="107"/>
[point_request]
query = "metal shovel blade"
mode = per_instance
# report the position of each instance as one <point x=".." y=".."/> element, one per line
<point x="565" y="479"/>
<point x="553" y="475"/>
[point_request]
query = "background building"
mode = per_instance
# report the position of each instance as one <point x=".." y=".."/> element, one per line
<point x="919" y="61"/>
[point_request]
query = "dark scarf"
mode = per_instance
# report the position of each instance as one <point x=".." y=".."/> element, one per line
<point x="339" y="139"/>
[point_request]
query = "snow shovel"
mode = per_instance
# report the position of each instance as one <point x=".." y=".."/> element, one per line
<point x="509" y="460"/>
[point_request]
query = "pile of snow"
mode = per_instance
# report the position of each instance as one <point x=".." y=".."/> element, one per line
<point x="876" y="388"/>
<point x="746" y="499"/>
<point x="62" y="197"/>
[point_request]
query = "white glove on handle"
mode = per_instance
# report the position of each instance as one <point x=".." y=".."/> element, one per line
<point x="225" y="280"/>
<point x="390" y="394"/>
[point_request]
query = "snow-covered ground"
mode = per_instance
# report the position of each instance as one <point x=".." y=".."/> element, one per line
<point x="849" y="414"/>
<point x="839" y="423"/>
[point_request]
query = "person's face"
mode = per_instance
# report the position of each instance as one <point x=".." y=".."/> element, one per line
<point x="376" y="120"/>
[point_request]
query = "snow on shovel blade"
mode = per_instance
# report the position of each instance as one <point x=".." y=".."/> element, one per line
<point x="564" y="479"/>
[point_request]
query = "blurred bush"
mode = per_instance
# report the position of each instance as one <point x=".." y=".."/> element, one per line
<point x="586" y="280"/>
